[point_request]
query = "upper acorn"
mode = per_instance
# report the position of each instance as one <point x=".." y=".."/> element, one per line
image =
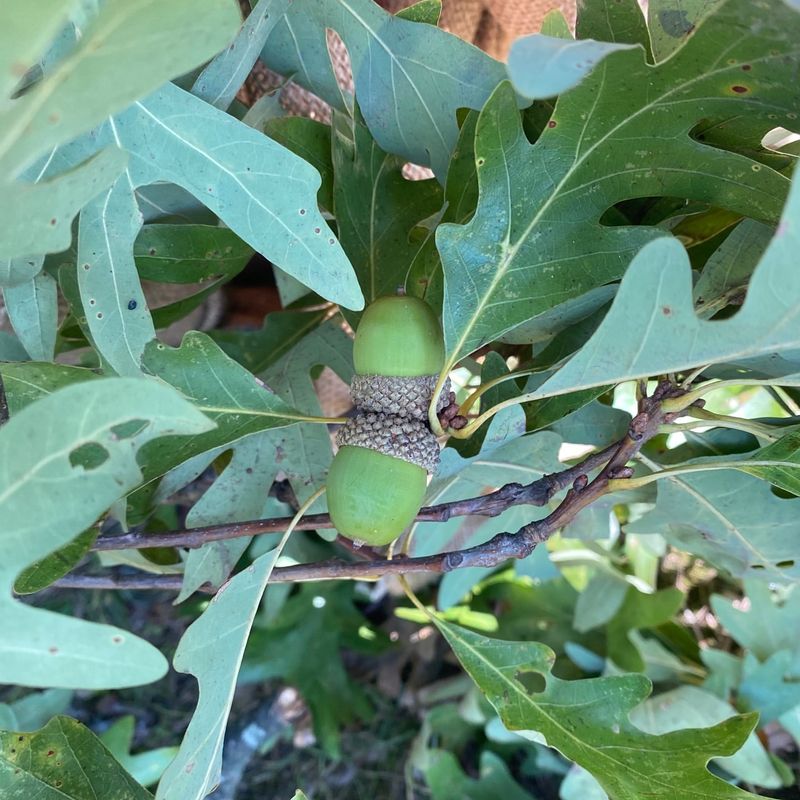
<point x="398" y="336"/>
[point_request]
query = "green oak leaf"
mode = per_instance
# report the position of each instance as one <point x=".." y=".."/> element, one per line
<point x="617" y="21"/>
<point x="639" y="611"/>
<point x="729" y="268"/>
<point x="282" y="330"/>
<point x="63" y="461"/>
<point x="671" y="22"/>
<point x="55" y="565"/>
<point x="212" y="650"/>
<point x="770" y="624"/>
<point x="778" y="463"/>
<point x="689" y="705"/>
<point x="219" y="81"/>
<point x="587" y="721"/>
<point x="146" y="767"/>
<point x="447" y="780"/>
<point x="32" y="308"/>
<point x="191" y="253"/>
<point x="396" y="64"/>
<point x="376" y="209"/>
<point x="536" y="239"/>
<point x="731" y="520"/>
<point x="62" y="760"/>
<point x="310" y="632"/>
<point x="652" y="327"/>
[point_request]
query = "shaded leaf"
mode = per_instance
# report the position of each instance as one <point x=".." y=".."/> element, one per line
<point x="771" y="623"/>
<point x="32" y="308"/>
<point x="67" y="440"/>
<point x="639" y="611"/>
<point x="729" y="268"/>
<point x="311" y="140"/>
<point x="303" y="646"/>
<point x="54" y="566"/>
<point x="62" y="760"/>
<point x="189" y="253"/>
<point x="376" y="209"/>
<point x="146" y="768"/>
<point x="447" y="781"/>
<point x="282" y="330"/>
<point x="778" y="463"/>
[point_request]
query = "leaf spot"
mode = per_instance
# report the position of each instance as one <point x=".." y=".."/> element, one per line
<point x="117" y="639"/>
<point x="666" y="311"/>
<point x="740" y="89"/>
<point x="88" y="456"/>
<point x="132" y="305"/>
<point x="52" y="650"/>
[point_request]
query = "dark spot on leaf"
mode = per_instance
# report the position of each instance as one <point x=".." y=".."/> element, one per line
<point x="302" y="212"/>
<point x="785" y="564"/>
<point x="51" y="753"/>
<point x="89" y="456"/>
<point x="86" y="266"/>
<point x="52" y="650"/>
<point x="331" y="241"/>
<point x="92" y="301"/>
<point x="317" y="230"/>
<point x="58" y="784"/>
<point x="552" y="123"/>
<point x="249" y="470"/>
<point x="666" y="311"/>
<point x="53" y="221"/>
<point x="746" y="67"/>
<point x="117" y="639"/>
<point x="675" y="23"/>
<point x="152" y="251"/>
<point x="20" y="738"/>
<point x="758" y="566"/>
<point x="132" y="305"/>
<point x="480" y="161"/>
<point x="740" y="89"/>
<point x="99" y="315"/>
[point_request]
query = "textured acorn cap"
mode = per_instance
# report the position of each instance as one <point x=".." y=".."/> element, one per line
<point x="400" y="437"/>
<point x="401" y="396"/>
<point x="398" y="336"/>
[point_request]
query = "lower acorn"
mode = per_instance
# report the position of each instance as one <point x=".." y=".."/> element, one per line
<point x="378" y="478"/>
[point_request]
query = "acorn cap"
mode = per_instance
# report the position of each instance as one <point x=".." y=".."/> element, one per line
<point x="401" y="396"/>
<point x="400" y="437"/>
<point x="398" y="336"/>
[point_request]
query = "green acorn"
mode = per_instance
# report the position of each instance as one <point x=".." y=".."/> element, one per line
<point x="377" y="480"/>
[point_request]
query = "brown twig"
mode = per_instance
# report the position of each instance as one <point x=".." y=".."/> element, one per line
<point x="538" y="493"/>
<point x="4" y="415"/>
<point x="501" y="548"/>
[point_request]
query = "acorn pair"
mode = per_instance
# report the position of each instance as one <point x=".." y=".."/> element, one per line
<point x="379" y="476"/>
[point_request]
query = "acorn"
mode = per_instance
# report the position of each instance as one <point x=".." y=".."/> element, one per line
<point x="378" y="478"/>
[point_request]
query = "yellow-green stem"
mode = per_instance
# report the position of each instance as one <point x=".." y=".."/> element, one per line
<point x="634" y="483"/>
<point x="484" y="387"/>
